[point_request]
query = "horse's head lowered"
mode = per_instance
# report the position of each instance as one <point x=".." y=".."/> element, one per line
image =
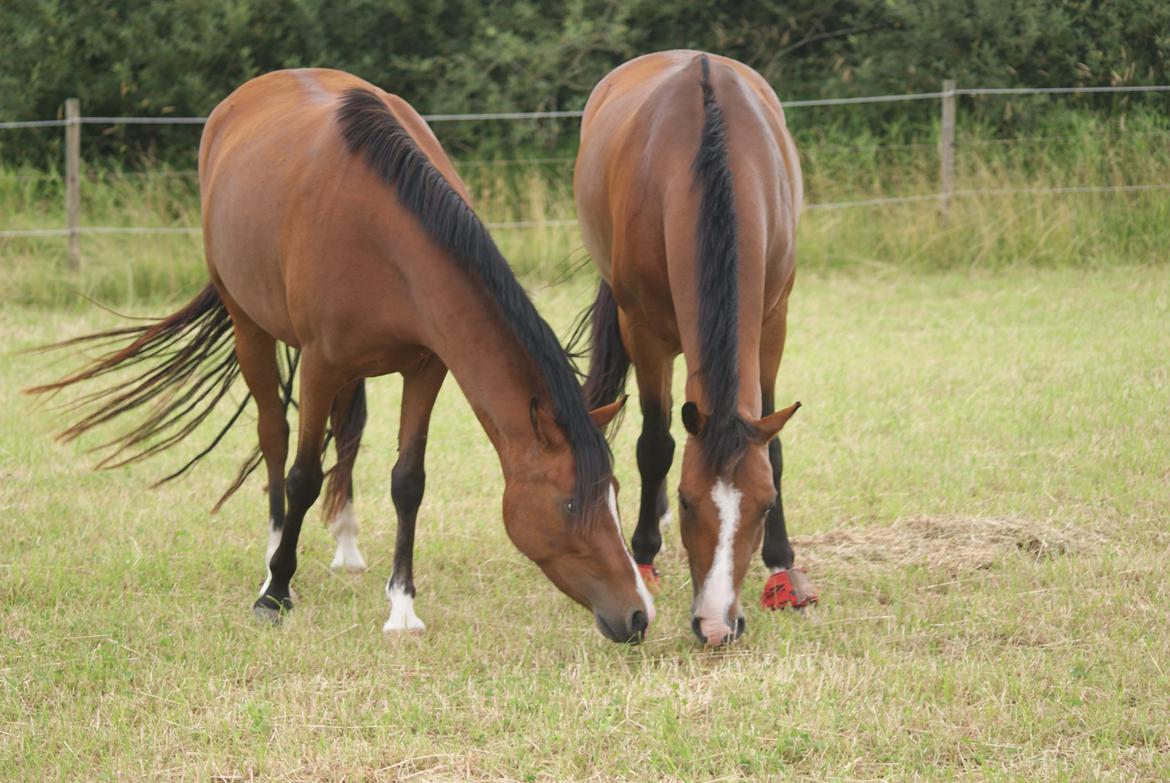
<point x="721" y="513"/>
<point x="575" y="536"/>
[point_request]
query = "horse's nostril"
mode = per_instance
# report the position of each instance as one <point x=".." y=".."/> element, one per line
<point x="638" y="625"/>
<point x="714" y="634"/>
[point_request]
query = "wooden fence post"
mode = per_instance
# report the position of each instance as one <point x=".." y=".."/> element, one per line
<point x="946" y="146"/>
<point x="73" y="179"/>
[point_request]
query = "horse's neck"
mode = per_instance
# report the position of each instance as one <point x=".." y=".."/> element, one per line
<point x="495" y="375"/>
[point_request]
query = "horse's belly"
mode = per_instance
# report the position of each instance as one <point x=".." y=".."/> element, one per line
<point x="243" y="256"/>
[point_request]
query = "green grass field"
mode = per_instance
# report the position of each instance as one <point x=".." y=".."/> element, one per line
<point x="979" y="482"/>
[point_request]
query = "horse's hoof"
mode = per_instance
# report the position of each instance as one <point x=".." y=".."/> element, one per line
<point x="651" y="578"/>
<point x="271" y="609"/>
<point x="348" y="559"/>
<point x="405" y="627"/>
<point x="402" y="616"/>
<point x="791" y="589"/>
<point x="341" y="565"/>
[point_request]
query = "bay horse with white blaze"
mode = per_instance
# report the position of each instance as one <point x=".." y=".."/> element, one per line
<point x="334" y="222"/>
<point x="688" y="189"/>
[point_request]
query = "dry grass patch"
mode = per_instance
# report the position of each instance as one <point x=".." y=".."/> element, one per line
<point x="947" y="542"/>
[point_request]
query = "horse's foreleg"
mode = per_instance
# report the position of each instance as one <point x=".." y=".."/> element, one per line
<point x="777" y="552"/>
<point x="420" y="388"/>
<point x="786" y="586"/>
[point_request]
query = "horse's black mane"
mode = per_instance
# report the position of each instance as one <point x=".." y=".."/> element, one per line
<point x="725" y="435"/>
<point x="369" y="128"/>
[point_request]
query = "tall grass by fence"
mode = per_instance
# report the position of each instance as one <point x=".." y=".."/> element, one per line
<point x="1090" y="190"/>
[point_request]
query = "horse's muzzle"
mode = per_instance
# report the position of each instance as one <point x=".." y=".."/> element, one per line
<point x="716" y="633"/>
<point x="631" y="630"/>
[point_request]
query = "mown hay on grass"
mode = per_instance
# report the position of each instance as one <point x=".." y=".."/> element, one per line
<point x="954" y="543"/>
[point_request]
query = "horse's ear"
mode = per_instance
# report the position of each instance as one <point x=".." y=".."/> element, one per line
<point x="604" y="415"/>
<point x="770" y="426"/>
<point x="537" y="417"/>
<point x="693" y="419"/>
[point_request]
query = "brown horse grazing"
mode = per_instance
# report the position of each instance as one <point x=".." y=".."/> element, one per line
<point x="334" y="222"/>
<point x="688" y="189"/>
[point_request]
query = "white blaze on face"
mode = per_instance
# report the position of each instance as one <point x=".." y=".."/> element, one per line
<point x="274" y="534"/>
<point x="718" y="592"/>
<point x="643" y="593"/>
<point x="402" y="616"/>
<point x="345" y="530"/>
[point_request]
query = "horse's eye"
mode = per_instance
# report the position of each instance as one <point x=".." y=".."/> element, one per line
<point x="570" y="507"/>
<point x="683" y="504"/>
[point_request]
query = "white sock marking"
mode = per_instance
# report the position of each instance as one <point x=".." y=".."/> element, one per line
<point x="402" y="616"/>
<point x="273" y="542"/>
<point x="718" y="591"/>
<point x="344" y="528"/>
<point x="643" y="593"/>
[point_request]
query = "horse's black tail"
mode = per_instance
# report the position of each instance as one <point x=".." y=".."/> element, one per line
<point x="608" y="362"/>
<point x="187" y="365"/>
<point x="717" y="243"/>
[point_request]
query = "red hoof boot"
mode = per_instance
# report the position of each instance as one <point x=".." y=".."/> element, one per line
<point x="650" y="577"/>
<point x="789" y="589"/>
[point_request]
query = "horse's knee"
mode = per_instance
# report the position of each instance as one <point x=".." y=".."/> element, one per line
<point x="407" y="483"/>
<point x="302" y="486"/>
<point x="655" y="453"/>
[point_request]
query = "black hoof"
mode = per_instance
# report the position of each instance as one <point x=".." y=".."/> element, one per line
<point x="271" y="609"/>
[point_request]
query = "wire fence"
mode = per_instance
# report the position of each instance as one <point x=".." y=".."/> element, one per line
<point x="943" y="195"/>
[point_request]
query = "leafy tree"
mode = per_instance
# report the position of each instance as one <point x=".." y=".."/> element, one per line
<point x="180" y="57"/>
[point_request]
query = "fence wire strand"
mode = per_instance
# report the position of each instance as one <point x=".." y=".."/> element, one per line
<point x="574" y="114"/>
<point x="32" y="124"/>
<point x="577" y="113"/>
<point x="1060" y="90"/>
<point x="565" y="222"/>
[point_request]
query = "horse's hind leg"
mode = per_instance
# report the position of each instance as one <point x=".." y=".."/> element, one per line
<point x="420" y="387"/>
<point x="256" y="352"/>
<point x="343" y="526"/>
<point x="655" y="451"/>
<point x="348" y="419"/>
<point x="319" y="385"/>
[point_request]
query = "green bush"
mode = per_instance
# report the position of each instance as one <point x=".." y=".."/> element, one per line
<point x="180" y="57"/>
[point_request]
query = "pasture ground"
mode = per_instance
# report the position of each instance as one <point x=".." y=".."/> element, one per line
<point x="979" y="479"/>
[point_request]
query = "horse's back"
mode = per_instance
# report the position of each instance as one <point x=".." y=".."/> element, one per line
<point x="296" y="226"/>
<point x="635" y="182"/>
